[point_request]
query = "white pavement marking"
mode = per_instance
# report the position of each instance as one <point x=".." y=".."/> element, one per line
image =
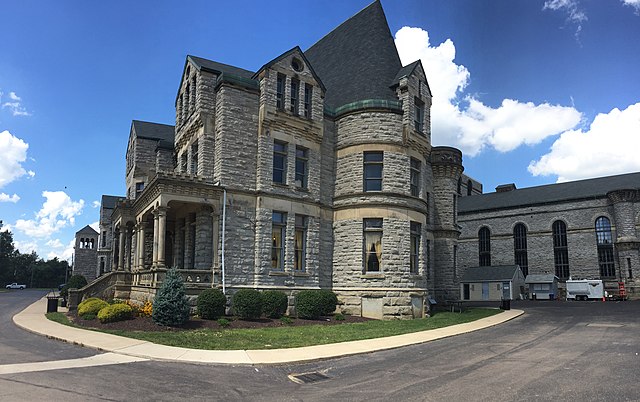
<point x="92" y="361"/>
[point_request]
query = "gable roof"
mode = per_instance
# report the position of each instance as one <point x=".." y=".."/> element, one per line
<point x="219" y="68"/>
<point x="544" y="278"/>
<point x="358" y="60"/>
<point x="287" y="53"/>
<point x="407" y="71"/>
<point x="551" y="193"/>
<point x="109" y="201"/>
<point x="87" y="229"/>
<point x="153" y="131"/>
<point x="493" y="273"/>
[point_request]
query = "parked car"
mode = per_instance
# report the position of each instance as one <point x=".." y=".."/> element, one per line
<point x="14" y="285"/>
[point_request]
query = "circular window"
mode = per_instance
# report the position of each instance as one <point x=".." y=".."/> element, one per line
<point x="297" y="64"/>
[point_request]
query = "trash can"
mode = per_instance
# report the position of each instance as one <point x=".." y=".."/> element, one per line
<point x="552" y="296"/>
<point x="52" y="304"/>
<point x="505" y="304"/>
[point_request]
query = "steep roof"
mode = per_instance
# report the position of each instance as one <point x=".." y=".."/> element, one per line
<point x="551" y="193"/>
<point x="153" y="131"/>
<point x="218" y="68"/>
<point x="296" y="50"/>
<point x="493" y="273"/>
<point x="87" y="229"/>
<point x="358" y="60"/>
<point x="109" y="201"/>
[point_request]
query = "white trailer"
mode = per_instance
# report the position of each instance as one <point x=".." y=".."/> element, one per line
<point x="585" y="289"/>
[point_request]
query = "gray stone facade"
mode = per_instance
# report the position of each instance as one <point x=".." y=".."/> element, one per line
<point x="86" y="253"/>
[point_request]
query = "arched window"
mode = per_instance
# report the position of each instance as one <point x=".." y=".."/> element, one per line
<point x="520" y="247"/>
<point x="560" y="250"/>
<point x="484" y="247"/>
<point x="605" y="248"/>
<point x="469" y="187"/>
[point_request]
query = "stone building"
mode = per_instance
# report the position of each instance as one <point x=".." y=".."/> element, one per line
<point x="86" y="253"/>
<point x="585" y="229"/>
<point x="105" y="240"/>
<point x="315" y="171"/>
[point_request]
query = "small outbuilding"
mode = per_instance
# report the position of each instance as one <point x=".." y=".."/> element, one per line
<point x="505" y="282"/>
<point x="542" y="287"/>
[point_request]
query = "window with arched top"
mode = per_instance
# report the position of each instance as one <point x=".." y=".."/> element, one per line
<point x="484" y="247"/>
<point x="604" y="241"/>
<point x="520" y="247"/>
<point x="560" y="249"/>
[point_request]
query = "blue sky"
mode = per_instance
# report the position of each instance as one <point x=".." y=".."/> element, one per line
<point x="532" y="91"/>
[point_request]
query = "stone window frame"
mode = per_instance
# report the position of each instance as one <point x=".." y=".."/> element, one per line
<point x="415" y="168"/>
<point x="560" y="249"/>
<point x="484" y="247"/>
<point x="294" y="99"/>
<point x="371" y="160"/>
<point x="418" y="115"/>
<point x="604" y="241"/>
<point x="280" y="150"/>
<point x="281" y="80"/>
<point x="139" y="188"/>
<point x="300" y="237"/>
<point x="520" y="256"/>
<point x="372" y="229"/>
<point x="278" y="229"/>
<point x="193" y="169"/>
<point x="183" y="162"/>
<point x="308" y="99"/>
<point x="302" y="161"/>
<point x="415" y="230"/>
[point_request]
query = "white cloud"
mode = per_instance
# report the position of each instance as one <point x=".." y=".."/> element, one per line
<point x="633" y="3"/>
<point x="60" y="251"/>
<point x="15" y="105"/>
<point x="95" y="226"/>
<point x="57" y="212"/>
<point x="95" y="204"/>
<point x="13" y="153"/>
<point x="9" y="198"/>
<point x="575" y="15"/>
<point x="26" y="247"/>
<point x="477" y="125"/>
<point x="608" y="147"/>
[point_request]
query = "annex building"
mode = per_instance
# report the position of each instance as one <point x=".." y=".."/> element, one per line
<point x="315" y="171"/>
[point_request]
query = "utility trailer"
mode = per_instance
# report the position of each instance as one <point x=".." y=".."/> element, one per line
<point x="585" y="289"/>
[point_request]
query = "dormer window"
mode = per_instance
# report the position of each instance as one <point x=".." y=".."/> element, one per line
<point x="295" y="86"/>
<point x="280" y="91"/>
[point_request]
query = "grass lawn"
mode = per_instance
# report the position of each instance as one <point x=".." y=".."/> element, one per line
<point x="290" y="337"/>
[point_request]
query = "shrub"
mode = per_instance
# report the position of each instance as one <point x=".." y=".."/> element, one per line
<point x="170" y="306"/>
<point x="75" y="282"/>
<point x="91" y="306"/>
<point x="247" y="304"/>
<point x="89" y="316"/>
<point x="223" y="322"/>
<point x="312" y="304"/>
<point x="115" y="312"/>
<point x="286" y="320"/>
<point x="274" y="303"/>
<point x="339" y="317"/>
<point x="211" y="304"/>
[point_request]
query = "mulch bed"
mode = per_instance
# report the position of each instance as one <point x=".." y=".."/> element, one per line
<point x="147" y="324"/>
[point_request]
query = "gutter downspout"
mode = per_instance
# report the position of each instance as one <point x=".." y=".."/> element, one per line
<point x="224" y="221"/>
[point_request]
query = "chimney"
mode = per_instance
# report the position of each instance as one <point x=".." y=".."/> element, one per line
<point x="503" y="188"/>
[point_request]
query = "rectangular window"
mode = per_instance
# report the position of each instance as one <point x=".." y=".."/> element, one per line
<point x="300" y="243"/>
<point x="103" y="239"/>
<point x="415" y="247"/>
<point x="455" y="262"/>
<point x="295" y="87"/>
<point x="139" y="188"/>
<point x="194" y="158"/>
<point x="415" y="177"/>
<point x="280" y="91"/>
<point x="302" y="167"/>
<point x="183" y="162"/>
<point x="372" y="244"/>
<point x="308" y="92"/>
<point x="418" y="117"/>
<point x="278" y="233"/>
<point x="428" y="259"/>
<point x="373" y="171"/>
<point x="279" y="162"/>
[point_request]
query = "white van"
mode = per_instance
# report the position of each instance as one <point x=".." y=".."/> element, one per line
<point x="585" y="289"/>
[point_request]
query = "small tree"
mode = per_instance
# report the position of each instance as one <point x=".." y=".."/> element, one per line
<point x="170" y="306"/>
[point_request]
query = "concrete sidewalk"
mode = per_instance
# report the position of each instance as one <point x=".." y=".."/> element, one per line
<point x="33" y="319"/>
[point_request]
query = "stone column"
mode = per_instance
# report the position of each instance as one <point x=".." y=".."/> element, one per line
<point x="162" y="225"/>
<point x="141" y="245"/>
<point x="130" y="253"/>
<point x="154" y="260"/>
<point x="121" y="251"/>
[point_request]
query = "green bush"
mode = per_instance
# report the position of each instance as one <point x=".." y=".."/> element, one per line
<point x="91" y="306"/>
<point x="312" y="304"/>
<point x="274" y="303"/>
<point x="115" y="312"/>
<point x="223" y="322"/>
<point x="211" y="304"/>
<point x="75" y="282"/>
<point x="170" y="306"/>
<point x="88" y="317"/>
<point x="247" y="304"/>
